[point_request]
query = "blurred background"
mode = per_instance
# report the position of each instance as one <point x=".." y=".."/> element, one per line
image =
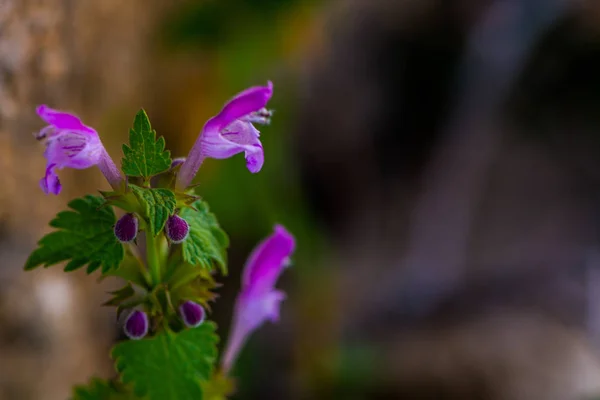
<point x="437" y="160"/>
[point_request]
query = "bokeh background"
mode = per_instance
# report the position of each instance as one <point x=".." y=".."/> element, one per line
<point x="437" y="160"/>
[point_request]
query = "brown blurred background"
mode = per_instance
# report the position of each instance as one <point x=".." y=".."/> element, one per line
<point x="438" y="161"/>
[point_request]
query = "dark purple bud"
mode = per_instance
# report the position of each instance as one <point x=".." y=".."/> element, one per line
<point x="192" y="314"/>
<point x="177" y="161"/>
<point x="177" y="229"/>
<point x="126" y="228"/>
<point x="136" y="325"/>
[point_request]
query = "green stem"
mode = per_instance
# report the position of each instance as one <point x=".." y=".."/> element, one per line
<point x="135" y="255"/>
<point x="152" y="258"/>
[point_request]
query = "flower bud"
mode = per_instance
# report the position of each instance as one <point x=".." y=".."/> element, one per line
<point x="136" y="325"/>
<point x="177" y="229"/>
<point x="126" y="228"/>
<point x="192" y="314"/>
<point x="177" y="161"/>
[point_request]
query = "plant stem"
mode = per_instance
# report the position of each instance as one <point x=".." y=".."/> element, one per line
<point x="152" y="258"/>
<point x="134" y="254"/>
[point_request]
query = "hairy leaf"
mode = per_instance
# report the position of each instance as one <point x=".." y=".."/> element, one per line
<point x="158" y="205"/>
<point x="207" y="243"/>
<point x="85" y="237"/>
<point x="145" y="156"/>
<point x="168" y="366"/>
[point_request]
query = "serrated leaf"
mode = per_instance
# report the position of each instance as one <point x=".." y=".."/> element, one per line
<point x="181" y="274"/>
<point x="84" y="236"/>
<point x="99" y="389"/>
<point x="189" y="282"/>
<point x="185" y="200"/>
<point x="198" y="291"/>
<point x="158" y="205"/>
<point x="145" y="156"/>
<point x="168" y="366"/>
<point x="207" y="243"/>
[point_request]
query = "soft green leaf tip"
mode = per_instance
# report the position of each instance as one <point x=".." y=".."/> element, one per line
<point x="145" y="156"/>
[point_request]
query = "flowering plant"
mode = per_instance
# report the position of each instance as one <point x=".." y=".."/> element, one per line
<point x="167" y="247"/>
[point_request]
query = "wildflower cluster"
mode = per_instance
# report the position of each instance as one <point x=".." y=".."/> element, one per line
<point x="167" y="247"/>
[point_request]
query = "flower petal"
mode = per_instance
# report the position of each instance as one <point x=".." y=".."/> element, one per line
<point x="63" y="120"/>
<point x="258" y="301"/>
<point x="71" y="144"/>
<point x="268" y="260"/>
<point x="211" y="143"/>
<point x="255" y="159"/>
<point x="242" y="104"/>
<point x="50" y="182"/>
<point x="74" y="150"/>
<point x="238" y="137"/>
<point x="272" y="304"/>
<point x="252" y="310"/>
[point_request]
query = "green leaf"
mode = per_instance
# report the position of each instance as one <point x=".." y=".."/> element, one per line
<point x="207" y="243"/>
<point x="168" y="366"/>
<point x="84" y="236"/>
<point x="145" y="156"/>
<point x="188" y="282"/>
<point x="99" y="389"/>
<point x="131" y="271"/>
<point x="120" y="295"/>
<point x="158" y="205"/>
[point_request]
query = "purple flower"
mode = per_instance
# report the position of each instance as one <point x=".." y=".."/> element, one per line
<point x="258" y="300"/>
<point x="231" y="132"/>
<point x="71" y="144"/>
<point x="192" y="314"/>
<point x="136" y="325"/>
<point x="176" y="229"/>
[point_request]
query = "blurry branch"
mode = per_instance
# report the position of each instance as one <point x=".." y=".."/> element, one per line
<point x="497" y="50"/>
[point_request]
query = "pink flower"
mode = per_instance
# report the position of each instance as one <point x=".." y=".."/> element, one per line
<point x="231" y="132"/>
<point x="258" y="300"/>
<point x="71" y="144"/>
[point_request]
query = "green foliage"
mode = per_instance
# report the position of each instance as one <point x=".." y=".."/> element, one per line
<point x="120" y="295"/>
<point x="85" y="237"/>
<point x="168" y="366"/>
<point x="124" y="299"/>
<point x="188" y="282"/>
<point x="207" y="243"/>
<point x="99" y="389"/>
<point x="131" y="271"/>
<point x="158" y="204"/>
<point x="145" y="156"/>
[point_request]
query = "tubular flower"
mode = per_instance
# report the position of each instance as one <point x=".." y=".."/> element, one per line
<point x="231" y="132"/>
<point x="258" y="300"/>
<point x="71" y="144"/>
